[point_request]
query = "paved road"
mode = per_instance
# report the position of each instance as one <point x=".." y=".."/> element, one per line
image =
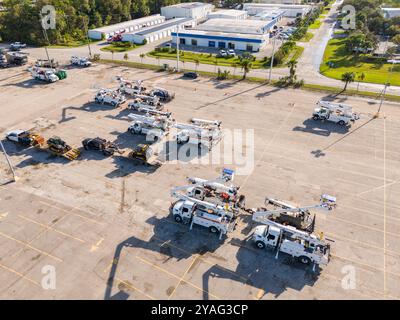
<point x="308" y="66"/>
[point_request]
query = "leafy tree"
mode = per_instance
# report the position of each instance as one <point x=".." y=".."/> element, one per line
<point x="292" y="64"/>
<point x="246" y="66"/>
<point x="347" y="77"/>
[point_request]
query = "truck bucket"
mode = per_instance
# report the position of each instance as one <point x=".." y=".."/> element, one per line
<point x="328" y="202"/>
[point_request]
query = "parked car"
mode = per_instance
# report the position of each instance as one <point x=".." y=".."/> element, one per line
<point x="222" y="53"/>
<point x="191" y="75"/>
<point x="17" y="46"/>
<point x="231" y="53"/>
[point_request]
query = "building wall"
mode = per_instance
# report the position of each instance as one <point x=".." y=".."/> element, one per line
<point x="289" y="12"/>
<point x="279" y="1"/>
<point x="388" y="14"/>
<point x="216" y="15"/>
<point x="204" y="41"/>
<point x="180" y="12"/>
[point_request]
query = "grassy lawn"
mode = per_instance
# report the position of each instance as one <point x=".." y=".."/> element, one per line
<point x="72" y="44"/>
<point x="374" y="71"/>
<point x="316" y="24"/>
<point x="120" y="47"/>
<point x="295" y="54"/>
<point x="205" y="58"/>
<point x="307" y="37"/>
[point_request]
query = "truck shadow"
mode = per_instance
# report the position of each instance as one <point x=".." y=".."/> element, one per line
<point x="261" y="271"/>
<point x="172" y="240"/>
<point x="126" y="166"/>
<point x="87" y="107"/>
<point x="321" y="128"/>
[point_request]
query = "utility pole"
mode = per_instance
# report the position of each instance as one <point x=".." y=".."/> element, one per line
<point x="272" y="59"/>
<point x="177" y="48"/>
<point x="46" y="38"/>
<point x="8" y="161"/>
<point x="87" y="37"/>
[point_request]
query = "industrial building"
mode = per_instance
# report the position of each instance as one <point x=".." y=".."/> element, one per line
<point x="194" y="10"/>
<point x="248" y="35"/>
<point x="158" y="32"/>
<point x="232" y="26"/>
<point x="291" y="10"/>
<point x="128" y="26"/>
<point x="228" y="14"/>
<point x="221" y="40"/>
<point x="389" y="13"/>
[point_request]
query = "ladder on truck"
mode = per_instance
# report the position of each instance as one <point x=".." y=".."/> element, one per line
<point x="212" y="212"/>
<point x="327" y="202"/>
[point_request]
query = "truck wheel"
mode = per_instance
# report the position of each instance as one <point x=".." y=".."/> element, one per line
<point x="260" y="244"/>
<point x="213" y="229"/>
<point x="342" y="123"/>
<point x="85" y="146"/>
<point x="315" y="118"/>
<point x="304" y="260"/>
<point x="178" y="218"/>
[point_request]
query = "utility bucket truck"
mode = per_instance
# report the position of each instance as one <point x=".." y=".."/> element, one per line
<point x="203" y="133"/>
<point x="155" y="127"/>
<point x="80" y="61"/>
<point x="48" y="75"/>
<point x="131" y="88"/>
<point x="189" y="210"/>
<point x="152" y="103"/>
<point x="106" y="96"/>
<point x="334" y="112"/>
<point x="287" y="214"/>
<point x="306" y="247"/>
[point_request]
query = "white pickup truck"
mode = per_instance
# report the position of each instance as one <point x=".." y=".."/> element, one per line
<point x="80" y="61"/>
<point x="138" y="104"/>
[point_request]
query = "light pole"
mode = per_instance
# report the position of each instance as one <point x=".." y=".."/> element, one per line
<point x="8" y="161"/>
<point x="177" y="48"/>
<point x="272" y="59"/>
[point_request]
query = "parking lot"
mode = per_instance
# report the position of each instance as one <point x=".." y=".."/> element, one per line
<point x="104" y="225"/>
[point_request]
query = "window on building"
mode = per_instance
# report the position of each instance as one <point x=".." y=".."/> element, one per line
<point x="249" y="48"/>
<point x="211" y="44"/>
<point x="231" y="45"/>
<point x="221" y="45"/>
<point x="182" y="41"/>
<point x="194" y="42"/>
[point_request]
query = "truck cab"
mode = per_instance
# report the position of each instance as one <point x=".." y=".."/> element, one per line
<point x="182" y="211"/>
<point x="266" y="236"/>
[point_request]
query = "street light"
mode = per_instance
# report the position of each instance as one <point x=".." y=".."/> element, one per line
<point x="8" y="161"/>
<point x="177" y="48"/>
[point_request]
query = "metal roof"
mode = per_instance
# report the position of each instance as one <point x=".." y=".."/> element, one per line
<point x="128" y="24"/>
<point x="233" y="13"/>
<point x="161" y="26"/>
<point x="188" y="5"/>
<point x="230" y="25"/>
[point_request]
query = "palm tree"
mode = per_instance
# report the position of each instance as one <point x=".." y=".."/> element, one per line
<point x="360" y="77"/>
<point x="126" y="57"/>
<point x="142" y="55"/>
<point x="112" y="54"/>
<point x="246" y="66"/>
<point x="347" y="77"/>
<point x="292" y="64"/>
<point x="197" y="62"/>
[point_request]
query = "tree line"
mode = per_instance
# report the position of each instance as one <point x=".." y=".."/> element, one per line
<point x="20" y="19"/>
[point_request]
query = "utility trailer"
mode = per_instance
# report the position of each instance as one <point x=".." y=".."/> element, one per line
<point x="106" y="96"/>
<point x="59" y="147"/>
<point x="305" y="246"/>
<point x="200" y="132"/>
<point x="153" y="126"/>
<point x="341" y="114"/>
<point x="163" y="94"/>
